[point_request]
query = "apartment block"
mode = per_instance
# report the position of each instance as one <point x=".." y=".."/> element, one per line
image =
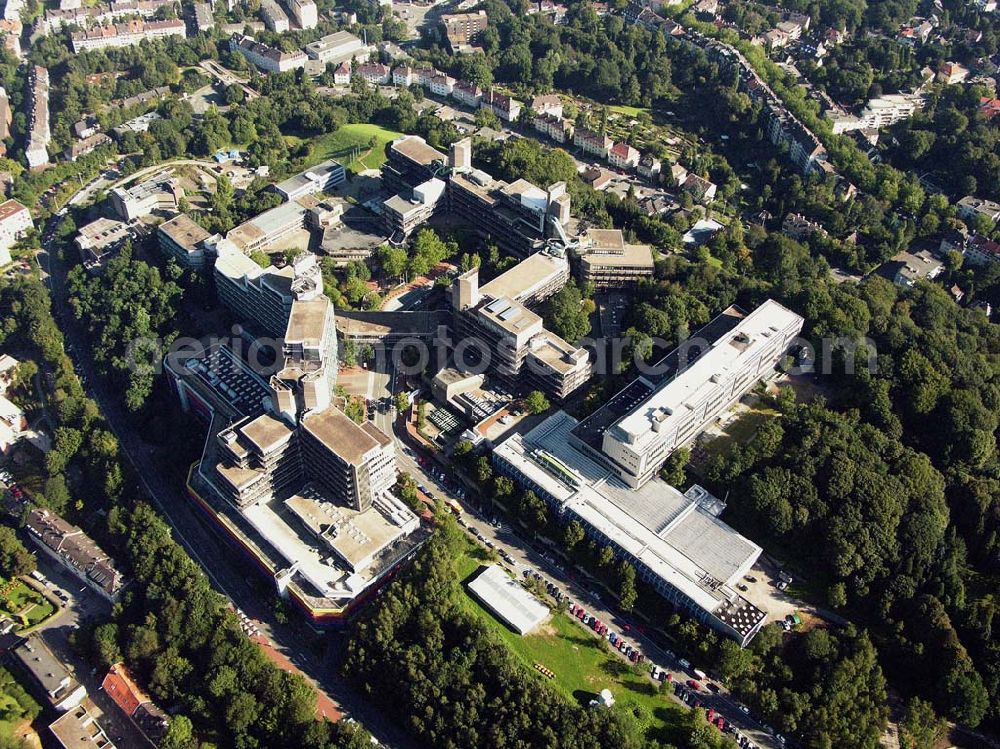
<point x="503" y="106"/>
<point x="204" y="21"/>
<point x="76" y="551"/>
<point x="970" y="206"/>
<point x="555" y="127"/>
<point x="6" y="117"/>
<point x="468" y="94"/>
<point x="375" y="74"/>
<point x="266" y="58"/>
<point x="635" y="432"/>
<point x="47" y="676"/>
<point x="274" y="17"/>
<point x="593" y="143"/>
<point x="125" y="34"/>
<point x="304" y="12"/>
<point x="623" y="156"/>
<point x="880" y="112"/>
<point x="79" y="729"/>
<point x="15" y="222"/>
<point x="464" y="31"/>
<point x="39" y="135"/>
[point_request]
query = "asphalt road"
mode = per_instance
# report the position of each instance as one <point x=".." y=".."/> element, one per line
<point x="313" y="654"/>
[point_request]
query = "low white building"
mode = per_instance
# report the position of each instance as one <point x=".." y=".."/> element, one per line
<point x="508" y="600"/>
<point x="15" y="222"/>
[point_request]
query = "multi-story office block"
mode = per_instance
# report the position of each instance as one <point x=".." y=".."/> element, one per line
<point x="308" y="373"/>
<point x="411" y="162"/>
<point x="607" y="262"/>
<point x="184" y="240"/>
<point x="39" y="135"/>
<point x="258" y="458"/>
<point x="355" y="463"/>
<point x="264" y="296"/>
<point x="676" y="542"/>
<point x="495" y="330"/>
<point x="304" y="12"/>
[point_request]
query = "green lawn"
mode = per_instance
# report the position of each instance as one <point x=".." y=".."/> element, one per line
<point x="341" y="143"/>
<point x="23" y="600"/>
<point x="740" y="431"/>
<point x="582" y="665"/>
<point x="630" y="111"/>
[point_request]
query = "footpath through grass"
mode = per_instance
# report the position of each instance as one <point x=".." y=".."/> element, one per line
<point x="582" y="665"/>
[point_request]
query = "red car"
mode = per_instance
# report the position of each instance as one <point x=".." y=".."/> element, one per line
<point x="710" y="714"/>
<point x="696" y="686"/>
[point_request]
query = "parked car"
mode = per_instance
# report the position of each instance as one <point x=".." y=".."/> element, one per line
<point x="693" y="685"/>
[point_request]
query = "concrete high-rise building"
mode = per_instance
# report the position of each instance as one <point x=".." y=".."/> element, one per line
<point x="355" y="463"/>
<point x="264" y="296"/>
<point x="308" y="374"/>
<point x="493" y="324"/>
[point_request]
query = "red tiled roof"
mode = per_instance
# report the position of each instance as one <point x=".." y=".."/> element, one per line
<point x="123" y="690"/>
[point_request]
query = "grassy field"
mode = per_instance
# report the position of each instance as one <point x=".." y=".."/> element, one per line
<point x="341" y="143"/>
<point x="583" y="665"/>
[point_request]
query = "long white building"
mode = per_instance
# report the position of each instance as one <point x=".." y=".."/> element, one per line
<point x="657" y="413"/>
<point x="266" y="58"/>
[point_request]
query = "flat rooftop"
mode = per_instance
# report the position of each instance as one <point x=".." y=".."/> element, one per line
<point x="561" y="356"/>
<point x="510" y="316"/>
<point x="505" y="597"/>
<point x="353" y="536"/>
<point x="184" y="232"/>
<point x="307" y="321"/>
<point x="336" y="39"/>
<point x="372" y="323"/>
<point x="318" y="173"/>
<point x="628" y="256"/>
<point x="416" y="149"/>
<point x="266" y="432"/>
<point x="591" y="430"/>
<point x="339" y="434"/>
<point x="527" y="277"/>
<point x="78" y="729"/>
<point x="679" y="538"/>
<point x="722" y="360"/>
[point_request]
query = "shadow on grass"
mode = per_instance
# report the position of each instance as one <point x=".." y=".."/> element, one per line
<point x="614" y="667"/>
<point x="583" y="697"/>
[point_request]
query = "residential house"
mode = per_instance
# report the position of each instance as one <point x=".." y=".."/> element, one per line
<point x="468" y="94"/>
<point x="970" y="206"/>
<point x="593" y="143"/>
<point x="547" y="104"/>
<point x="952" y="72"/>
<point x="699" y="188"/>
<point x="15" y="222"/>
<point x="623" y="156"/>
